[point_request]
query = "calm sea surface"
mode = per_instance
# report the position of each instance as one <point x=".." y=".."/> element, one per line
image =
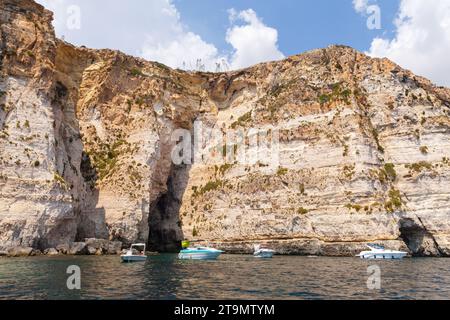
<point x="230" y="277"/>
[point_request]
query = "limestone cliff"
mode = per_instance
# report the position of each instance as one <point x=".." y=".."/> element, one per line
<point x="86" y="144"/>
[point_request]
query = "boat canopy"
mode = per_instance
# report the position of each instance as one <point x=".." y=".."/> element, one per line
<point x="376" y="246"/>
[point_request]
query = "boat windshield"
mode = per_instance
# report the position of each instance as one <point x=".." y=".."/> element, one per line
<point x="376" y="246"/>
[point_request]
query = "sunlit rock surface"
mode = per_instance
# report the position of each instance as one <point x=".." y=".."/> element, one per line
<point x="86" y="145"/>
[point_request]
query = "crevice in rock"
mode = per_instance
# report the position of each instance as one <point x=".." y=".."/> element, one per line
<point x="165" y="230"/>
<point x="441" y="253"/>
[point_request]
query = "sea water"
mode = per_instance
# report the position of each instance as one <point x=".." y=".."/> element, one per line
<point x="230" y="277"/>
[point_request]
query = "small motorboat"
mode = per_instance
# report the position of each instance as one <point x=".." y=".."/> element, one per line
<point x="199" y="253"/>
<point x="261" y="252"/>
<point x="130" y="257"/>
<point x="379" y="252"/>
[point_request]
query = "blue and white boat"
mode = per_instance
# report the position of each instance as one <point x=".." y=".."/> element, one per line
<point x="379" y="252"/>
<point x="130" y="256"/>
<point x="199" y="253"/>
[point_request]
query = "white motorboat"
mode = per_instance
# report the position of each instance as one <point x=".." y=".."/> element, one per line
<point x="130" y="257"/>
<point x="199" y="253"/>
<point x="379" y="252"/>
<point x="263" y="252"/>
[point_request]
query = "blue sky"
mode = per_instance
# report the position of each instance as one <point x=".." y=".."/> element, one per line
<point x="233" y="34"/>
<point x="302" y="25"/>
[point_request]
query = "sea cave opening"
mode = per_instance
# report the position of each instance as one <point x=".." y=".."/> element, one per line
<point x="165" y="229"/>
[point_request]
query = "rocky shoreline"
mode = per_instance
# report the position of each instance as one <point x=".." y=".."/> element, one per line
<point x="293" y="247"/>
<point x="88" y="247"/>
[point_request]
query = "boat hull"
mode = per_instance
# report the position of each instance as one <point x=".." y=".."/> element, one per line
<point x="133" y="258"/>
<point x="381" y="256"/>
<point x="264" y="255"/>
<point x="198" y="256"/>
<point x="195" y="254"/>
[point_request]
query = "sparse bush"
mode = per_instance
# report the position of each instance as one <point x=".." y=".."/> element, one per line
<point x="389" y="168"/>
<point x="224" y="168"/>
<point x="302" y="188"/>
<point x="59" y="179"/>
<point x="377" y="140"/>
<point x="355" y="207"/>
<point x="349" y="171"/>
<point x="136" y="72"/>
<point x="242" y="120"/>
<point x="210" y="186"/>
<point x="338" y="94"/>
<point x="324" y="98"/>
<point x="419" y="166"/>
<point x="424" y="149"/>
<point x="346" y="149"/>
<point x="395" y="201"/>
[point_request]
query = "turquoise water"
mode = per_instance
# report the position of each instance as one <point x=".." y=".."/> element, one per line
<point x="230" y="277"/>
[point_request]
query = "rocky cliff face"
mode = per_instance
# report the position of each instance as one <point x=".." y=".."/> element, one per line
<point x="86" y="149"/>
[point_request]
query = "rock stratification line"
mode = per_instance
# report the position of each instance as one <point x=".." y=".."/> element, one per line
<point x="86" y="149"/>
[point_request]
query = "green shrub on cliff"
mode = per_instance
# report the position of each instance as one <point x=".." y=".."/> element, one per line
<point x="338" y="94"/>
<point x="136" y="72"/>
<point x="389" y="169"/>
<point x="59" y="179"/>
<point x="242" y="120"/>
<point x="377" y="140"/>
<point x="395" y="201"/>
<point x="355" y="207"/>
<point x="419" y="166"/>
<point x="210" y="186"/>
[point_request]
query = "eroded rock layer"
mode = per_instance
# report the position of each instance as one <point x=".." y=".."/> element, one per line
<point x="86" y="150"/>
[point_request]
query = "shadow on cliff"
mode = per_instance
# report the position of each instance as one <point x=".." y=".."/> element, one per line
<point x="418" y="239"/>
<point x="92" y="220"/>
<point x="165" y="229"/>
<point x="75" y="166"/>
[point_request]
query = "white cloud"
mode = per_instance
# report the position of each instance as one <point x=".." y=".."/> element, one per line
<point x="253" y="42"/>
<point x="181" y="48"/>
<point x="422" y="40"/>
<point x="154" y="30"/>
<point x="361" y="5"/>
<point x="182" y="51"/>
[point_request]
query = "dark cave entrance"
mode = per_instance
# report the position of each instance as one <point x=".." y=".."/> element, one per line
<point x="165" y="231"/>
<point x="417" y="237"/>
<point x="412" y="234"/>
